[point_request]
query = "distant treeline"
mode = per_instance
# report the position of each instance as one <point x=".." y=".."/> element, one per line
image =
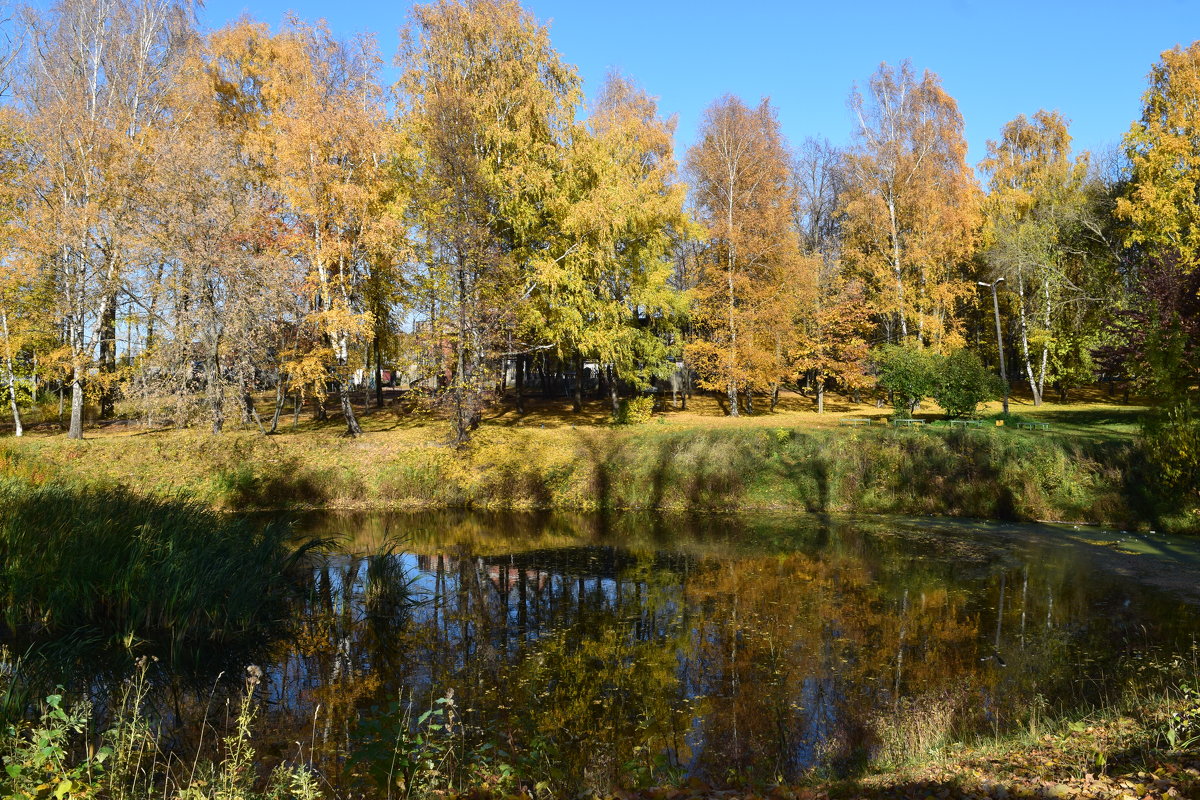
<point x="190" y="219"/>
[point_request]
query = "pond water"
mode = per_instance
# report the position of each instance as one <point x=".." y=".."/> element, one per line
<point x="591" y="652"/>
<point x="595" y="652"/>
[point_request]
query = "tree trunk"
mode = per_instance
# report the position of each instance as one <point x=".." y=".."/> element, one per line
<point x="352" y="426"/>
<point x="519" y="384"/>
<point x="614" y="392"/>
<point x="774" y="396"/>
<point x="897" y="269"/>
<point x="378" y="374"/>
<point x="1033" y="383"/>
<point x="108" y="358"/>
<point x="76" y="429"/>
<point x="216" y="399"/>
<point x="12" y="381"/>
<point x="251" y="411"/>
<point x="1045" y="343"/>
<point x="729" y="267"/>
<point x="821" y="394"/>
<point x="280" y="396"/>
<point x="577" y="404"/>
<point x="687" y="385"/>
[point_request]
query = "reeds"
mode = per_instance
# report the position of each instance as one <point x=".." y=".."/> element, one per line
<point x="105" y="574"/>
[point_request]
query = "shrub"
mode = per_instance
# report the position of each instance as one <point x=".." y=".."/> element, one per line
<point x="962" y="382"/>
<point x="908" y="372"/>
<point x="1170" y="445"/>
<point x="634" y="410"/>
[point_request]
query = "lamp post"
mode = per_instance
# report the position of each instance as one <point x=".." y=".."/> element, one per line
<point x="999" y="336"/>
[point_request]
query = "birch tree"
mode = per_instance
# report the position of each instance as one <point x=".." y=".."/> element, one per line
<point x="752" y="281"/>
<point x="487" y="105"/>
<point x="602" y="291"/>
<point x="1035" y="203"/>
<point x="1161" y="204"/>
<point x="834" y="345"/>
<point x="93" y="88"/>
<point x="911" y="204"/>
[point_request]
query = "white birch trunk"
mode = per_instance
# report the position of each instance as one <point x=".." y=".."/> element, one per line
<point x="18" y="430"/>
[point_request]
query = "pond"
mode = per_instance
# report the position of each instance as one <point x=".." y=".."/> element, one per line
<point x="592" y="652"/>
<point x="597" y="652"/>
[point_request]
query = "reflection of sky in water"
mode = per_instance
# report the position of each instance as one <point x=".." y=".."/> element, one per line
<point x="783" y="650"/>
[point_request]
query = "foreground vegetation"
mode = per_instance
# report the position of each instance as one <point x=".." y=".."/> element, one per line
<point x="1143" y="744"/>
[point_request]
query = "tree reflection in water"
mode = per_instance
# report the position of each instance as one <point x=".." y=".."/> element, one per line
<point x="595" y="653"/>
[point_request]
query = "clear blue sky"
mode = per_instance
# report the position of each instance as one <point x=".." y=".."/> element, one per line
<point x="1088" y="60"/>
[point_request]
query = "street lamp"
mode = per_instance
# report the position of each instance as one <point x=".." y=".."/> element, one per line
<point x="999" y="336"/>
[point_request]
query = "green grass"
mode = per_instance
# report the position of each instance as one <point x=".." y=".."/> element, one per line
<point x="986" y="473"/>
<point x="1085" y="468"/>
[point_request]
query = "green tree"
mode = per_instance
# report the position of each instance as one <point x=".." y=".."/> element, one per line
<point x="908" y="372"/>
<point x="962" y="382"/>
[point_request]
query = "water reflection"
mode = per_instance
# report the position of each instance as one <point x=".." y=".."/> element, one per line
<point x="600" y="652"/>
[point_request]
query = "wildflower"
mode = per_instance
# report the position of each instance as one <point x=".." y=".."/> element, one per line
<point x="254" y="676"/>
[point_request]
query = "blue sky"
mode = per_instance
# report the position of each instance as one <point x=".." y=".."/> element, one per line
<point x="1088" y="60"/>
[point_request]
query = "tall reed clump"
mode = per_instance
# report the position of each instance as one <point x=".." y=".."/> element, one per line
<point x="90" y="573"/>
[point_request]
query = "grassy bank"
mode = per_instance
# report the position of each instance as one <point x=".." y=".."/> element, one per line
<point x="766" y="464"/>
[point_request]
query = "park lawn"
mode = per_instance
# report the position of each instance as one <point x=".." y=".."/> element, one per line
<point x="1092" y="415"/>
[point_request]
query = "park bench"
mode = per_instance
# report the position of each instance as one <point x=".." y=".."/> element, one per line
<point x="907" y="423"/>
<point x="1030" y="426"/>
<point x="856" y="420"/>
<point x="974" y="423"/>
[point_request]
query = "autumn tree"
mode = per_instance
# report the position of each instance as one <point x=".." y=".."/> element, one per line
<point x="486" y="107"/>
<point x="751" y="283"/>
<point x="219" y="296"/>
<point x="834" y="343"/>
<point x="93" y="88"/>
<point x="602" y="291"/>
<point x="331" y="156"/>
<point x="1037" y="198"/>
<point x="911" y="204"/>
<point x="1161" y="204"/>
<point x="15" y="291"/>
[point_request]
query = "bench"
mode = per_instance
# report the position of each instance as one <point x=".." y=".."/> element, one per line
<point x="907" y="422"/>
<point x="856" y="420"/>
<point x="1031" y="426"/>
<point x="975" y="423"/>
